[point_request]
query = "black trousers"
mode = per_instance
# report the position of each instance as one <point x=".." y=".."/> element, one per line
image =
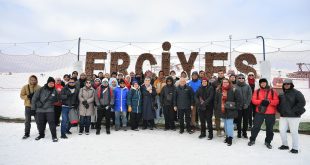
<point x="134" y="120"/>
<point x="187" y="114"/>
<point x="57" y="110"/>
<point x="169" y="115"/>
<point x="243" y="116"/>
<point x="102" y="112"/>
<point x="28" y="114"/>
<point x="42" y="119"/>
<point x="85" y="123"/>
<point x="251" y="114"/>
<point x="205" y="115"/>
<point x="148" y="123"/>
<point x="258" y="121"/>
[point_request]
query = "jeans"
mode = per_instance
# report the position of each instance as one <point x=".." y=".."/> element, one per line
<point x="117" y="119"/>
<point x="229" y="127"/>
<point x="293" y="124"/>
<point x="85" y="123"/>
<point x="65" y="123"/>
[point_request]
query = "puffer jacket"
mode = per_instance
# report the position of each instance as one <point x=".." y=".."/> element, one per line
<point x="292" y="103"/>
<point x="43" y="100"/>
<point x="120" y="96"/>
<point x="259" y="96"/>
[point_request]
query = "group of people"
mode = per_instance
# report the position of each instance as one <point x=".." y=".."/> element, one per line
<point x="125" y="101"/>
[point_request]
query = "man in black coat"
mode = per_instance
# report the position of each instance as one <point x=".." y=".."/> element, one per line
<point x="183" y="103"/>
<point x="291" y="107"/>
<point x="204" y="100"/>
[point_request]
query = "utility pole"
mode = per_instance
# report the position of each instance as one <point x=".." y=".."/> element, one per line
<point x="79" y="43"/>
<point x="263" y="46"/>
<point x="230" y="37"/>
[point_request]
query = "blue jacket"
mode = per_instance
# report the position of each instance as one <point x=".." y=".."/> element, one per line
<point x="134" y="99"/>
<point x="120" y="99"/>
<point x="195" y="85"/>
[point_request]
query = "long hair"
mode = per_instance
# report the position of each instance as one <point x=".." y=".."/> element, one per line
<point x="219" y="89"/>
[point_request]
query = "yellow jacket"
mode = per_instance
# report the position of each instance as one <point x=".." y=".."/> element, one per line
<point x="25" y="92"/>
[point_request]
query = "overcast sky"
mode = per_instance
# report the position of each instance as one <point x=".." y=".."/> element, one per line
<point x="157" y="20"/>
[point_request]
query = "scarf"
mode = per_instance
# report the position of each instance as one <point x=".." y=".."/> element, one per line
<point x="224" y="97"/>
<point x="251" y="81"/>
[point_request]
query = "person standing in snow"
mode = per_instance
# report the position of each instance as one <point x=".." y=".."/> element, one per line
<point x="86" y="106"/>
<point x="226" y="105"/>
<point x="26" y="94"/>
<point x="69" y="97"/>
<point x="266" y="101"/>
<point x="43" y="103"/>
<point x="167" y="98"/>
<point x="251" y="82"/>
<point x="57" y="105"/>
<point x="184" y="102"/>
<point x="291" y="107"/>
<point x="195" y="83"/>
<point x="120" y="105"/>
<point x="148" y="100"/>
<point x="204" y="101"/>
<point x="104" y="98"/>
<point x="158" y="84"/>
<point x="246" y="96"/>
<point x="134" y="102"/>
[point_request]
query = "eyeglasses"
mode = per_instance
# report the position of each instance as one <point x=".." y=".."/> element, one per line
<point x="87" y="82"/>
<point x="241" y="78"/>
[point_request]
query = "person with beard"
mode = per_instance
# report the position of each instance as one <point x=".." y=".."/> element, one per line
<point x="216" y="85"/>
<point x="57" y="105"/>
<point x="26" y="94"/>
<point x="226" y="105"/>
<point x="104" y="99"/>
<point x="134" y="102"/>
<point x="266" y="101"/>
<point x="69" y="97"/>
<point x="174" y="76"/>
<point x="43" y="103"/>
<point x="291" y="107"/>
<point x="120" y="105"/>
<point x="204" y="100"/>
<point x="166" y="100"/>
<point x="184" y="102"/>
<point x="251" y="82"/>
<point x="148" y="100"/>
<point x="195" y="83"/>
<point x="81" y="82"/>
<point x="86" y="106"/>
<point x="246" y="96"/>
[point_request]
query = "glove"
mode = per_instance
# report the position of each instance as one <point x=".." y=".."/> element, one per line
<point x="84" y="102"/>
<point x="86" y="105"/>
<point x="265" y="103"/>
<point x="107" y="107"/>
<point x="129" y="109"/>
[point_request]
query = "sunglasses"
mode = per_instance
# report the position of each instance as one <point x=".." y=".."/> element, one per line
<point x="286" y="84"/>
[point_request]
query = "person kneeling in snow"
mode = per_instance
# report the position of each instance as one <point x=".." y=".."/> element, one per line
<point x="43" y="103"/>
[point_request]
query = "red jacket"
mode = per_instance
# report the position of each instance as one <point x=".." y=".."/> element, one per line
<point x="58" y="88"/>
<point x="274" y="100"/>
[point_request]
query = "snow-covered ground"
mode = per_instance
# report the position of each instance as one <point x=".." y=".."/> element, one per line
<point x="142" y="147"/>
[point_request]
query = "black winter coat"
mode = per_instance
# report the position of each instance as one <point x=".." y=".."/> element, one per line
<point x="184" y="97"/>
<point x="207" y="95"/>
<point x="292" y="103"/>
